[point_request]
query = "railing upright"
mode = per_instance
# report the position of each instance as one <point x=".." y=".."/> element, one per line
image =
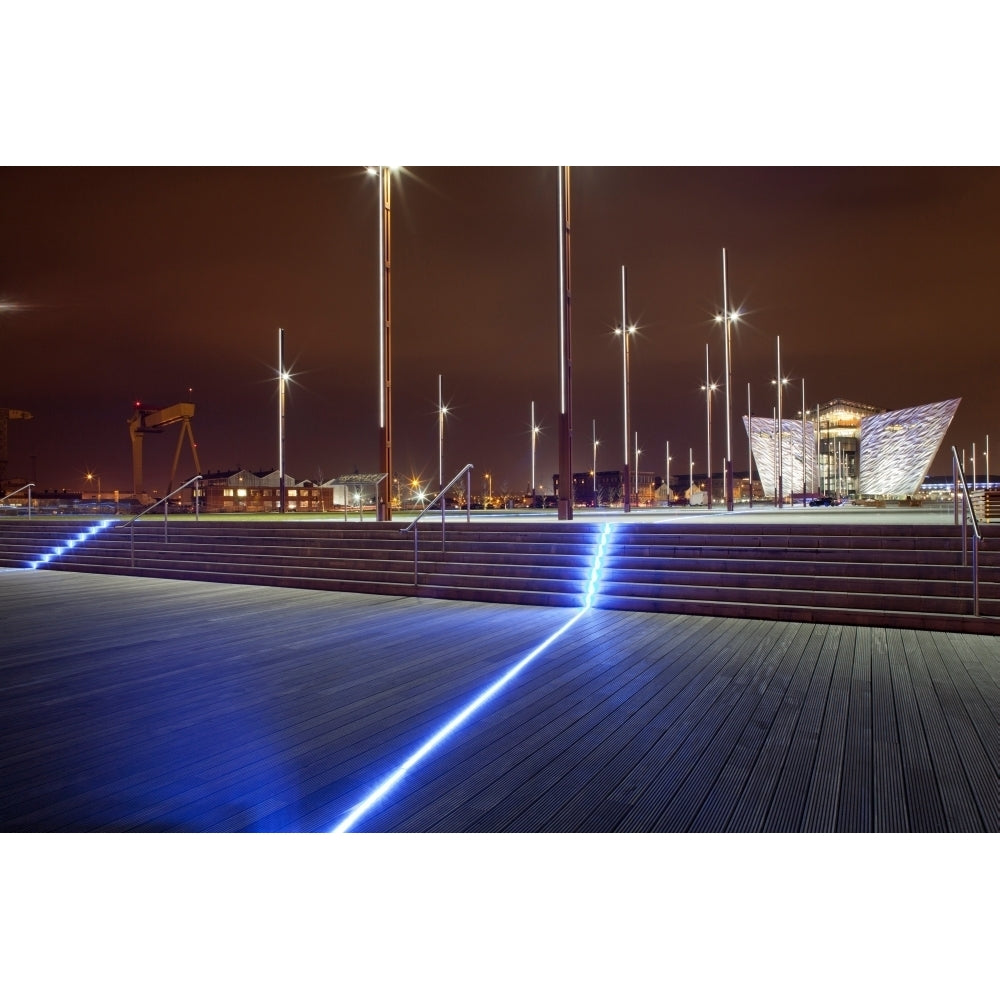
<point x="27" y="486"/>
<point x="967" y="513"/>
<point x="467" y="472"/>
<point x="130" y="524"/>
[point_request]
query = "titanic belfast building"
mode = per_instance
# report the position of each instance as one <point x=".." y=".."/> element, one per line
<point x="848" y="449"/>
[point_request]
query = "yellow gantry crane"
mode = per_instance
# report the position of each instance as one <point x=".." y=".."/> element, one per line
<point x="145" y="420"/>
<point x="6" y="415"/>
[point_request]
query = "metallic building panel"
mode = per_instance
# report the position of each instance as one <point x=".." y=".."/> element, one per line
<point x="897" y="448"/>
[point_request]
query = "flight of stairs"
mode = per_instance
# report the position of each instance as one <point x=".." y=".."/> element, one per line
<point x="908" y="576"/>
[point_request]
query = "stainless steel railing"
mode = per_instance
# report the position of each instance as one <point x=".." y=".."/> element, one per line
<point x="439" y="499"/>
<point x="27" y="487"/>
<point x="130" y="524"/>
<point x="967" y="513"/>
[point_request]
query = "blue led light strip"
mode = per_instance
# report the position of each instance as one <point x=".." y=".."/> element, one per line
<point x="396" y="776"/>
<point x="58" y="550"/>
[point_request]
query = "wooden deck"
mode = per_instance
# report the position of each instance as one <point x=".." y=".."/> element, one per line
<point x="161" y="705"/>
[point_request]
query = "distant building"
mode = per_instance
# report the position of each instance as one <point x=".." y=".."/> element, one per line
<point x="849" y="449"/>
<point x="243" y="491"/>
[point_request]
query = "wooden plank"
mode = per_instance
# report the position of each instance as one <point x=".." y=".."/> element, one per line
<point x="536" y="726"/>
<point x="824" y="789"/>
<point x="926" y="814"/>
<point x="960" y="812"/>
<point x="889" y="813"/>
<point x="774" y="795"/>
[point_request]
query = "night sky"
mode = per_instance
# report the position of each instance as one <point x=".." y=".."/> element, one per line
<point x="169" y="284"/>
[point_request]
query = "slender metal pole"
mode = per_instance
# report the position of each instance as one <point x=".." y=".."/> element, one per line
<point x="282" y="379"/>
<point x="440" y="438"/>
<point x="728" y="473"/>
<point x="594" y="476"/>
<point x="534" y="431"/>
<point x="384" y="502"/>
<point x="708" y="425"/>
<point x="635" y="475"/>
<point x="749" y="447"/>
<point x="565" y="499"/>
<point x="690" y="473"/>
<point x="803" y="442"/>
<point x="781" y="457"/>
<point x="668" y="473"/>
<point x="626" y="482"/>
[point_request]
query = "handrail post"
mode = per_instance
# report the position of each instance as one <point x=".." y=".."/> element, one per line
<point x="468" y="496"/>
<point x="29" y="501"/>
<point x="975" y="575"/>
<point x="415" y="531"/>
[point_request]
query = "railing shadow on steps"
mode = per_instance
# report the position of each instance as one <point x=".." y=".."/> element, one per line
<point x="967" y="513"/>
<point x="439" y="499"/>
<point x="130" y="524"/>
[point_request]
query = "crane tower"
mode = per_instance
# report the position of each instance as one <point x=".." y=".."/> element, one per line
<point x="145" y="420"/>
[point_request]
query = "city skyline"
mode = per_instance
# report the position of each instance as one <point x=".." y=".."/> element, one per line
<point x="167" y="285"/>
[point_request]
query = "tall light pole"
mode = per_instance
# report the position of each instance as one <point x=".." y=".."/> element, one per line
<point x="726" y="318"/>
<point x="668" y="473"/>
<point x="90" y="478"/>
<point x="803" y="442"/>
<point x="282" y="382"/>
<point x="690" y="473"/>
<point x="749" y="447"/>
<point x="534" y="435"/>
<point x="384" y="502"/>
<point x="636" y="476"/>
<point x="565" y="500"/>
<point x="987" y="461"/>
<point x="973" y="465"/>
<point x="594" y="475"/>
<point x="709" y="388"/>
<point x="442" y="413"/>
<point x="780" y="383"/>
<point x="625" y="331"/>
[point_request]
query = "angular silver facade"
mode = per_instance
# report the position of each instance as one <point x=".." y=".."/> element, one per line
<point x="798" y="464"/>
<point x="897" y="448"/>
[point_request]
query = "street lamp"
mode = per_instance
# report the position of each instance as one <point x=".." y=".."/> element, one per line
<point x="282" y="384"/>
<point x="534" y="436"/>
<point x="624" y="331"/>
<point x="727" y="318"/>
<point x="668" y="474"/>
<point x="442" y="413"/>
<point x="384" y="503"/>
<point x="780" y="384"/>
<point x="709" y="387"/>
<point x="636" y="476"/>
<point x="594" y="471"/>
<point x="690" y="473"/>
<point x="987" y="453"/>
<point x="90" y="478"/>
<point x="749" y="447"/>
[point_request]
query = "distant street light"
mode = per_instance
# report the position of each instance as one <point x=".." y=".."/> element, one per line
<point x="727" y="318"/>
<point x="594" y="471"/>
<point x="442" y="413"/>
<point x="90" y="479"/>
<point x="625" y="330"/>
<point x="635" y="478"/>
<point x="780" y="382"/>
<point x="668" y="474"/>
<point x="534" y="435"/>
<point x="282" y="383"/>
<point x="709" y="387"/>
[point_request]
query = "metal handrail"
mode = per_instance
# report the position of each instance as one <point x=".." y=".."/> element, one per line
<point x="130" y="524"/>
<point x="444" y="489"/>
<point x="27" y="486"/>
<point x="967" y="511"/>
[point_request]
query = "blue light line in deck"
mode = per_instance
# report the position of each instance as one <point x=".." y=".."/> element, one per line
<point x="396" y="776"/>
